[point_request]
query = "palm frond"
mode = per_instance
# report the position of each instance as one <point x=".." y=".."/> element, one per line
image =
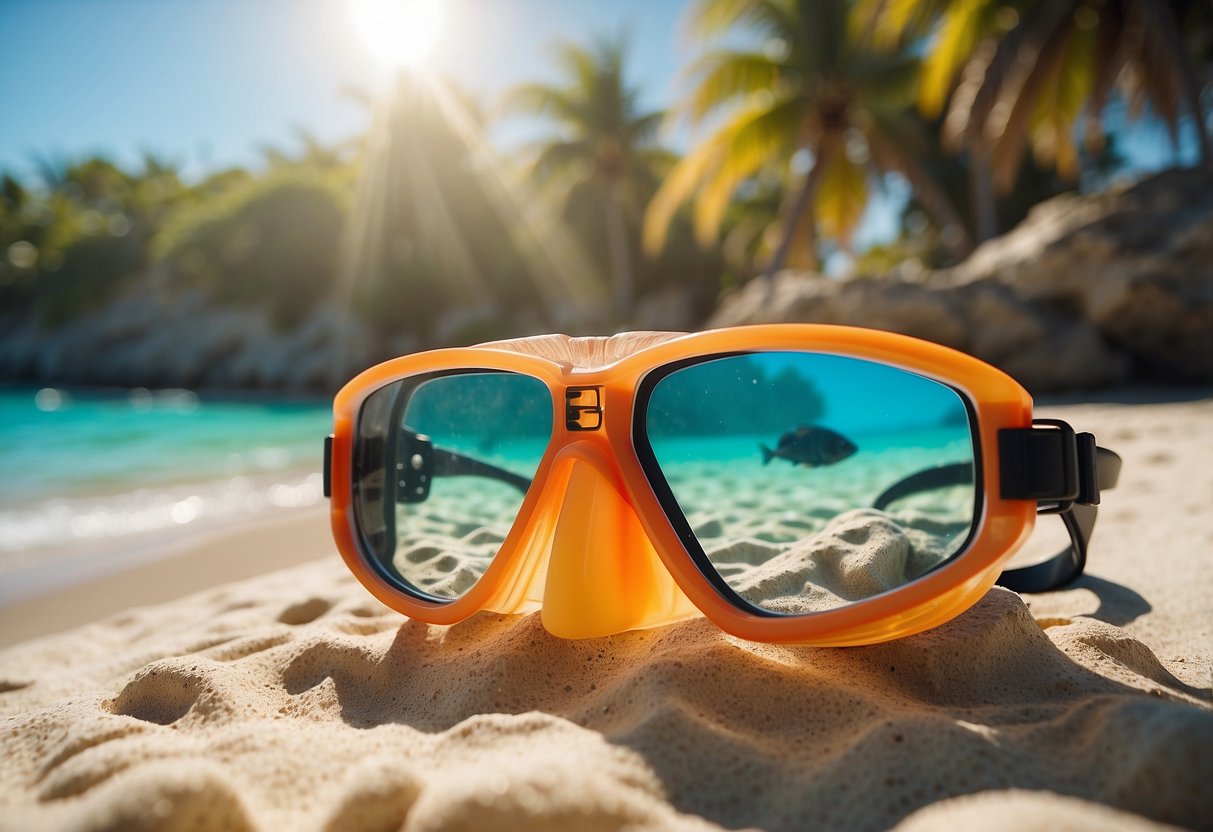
<point x="897" y="144"/>
<point x="643" y="129"/>
<point x="1060" y="101"/>
<point x="1162" y="53"/>
<point x="554" y="159"/>
<point x="610" y="103"/>
<point x="725" y="75"/>
<point x="1109" y="61"/>
<point x="962" y="29"/>
<point x="977" y="87"/>
<point x="542" y="100"/>
<point x="1001" y="63"/>
<point x="52" y="169"/>
<point x="642" y="178"/>
<point x="870" y="23"/>
<point x="552" y="198"/>
<point x="578" y="63"/>
<point x="819" y="41"/>
<point x="888" y="80"/>
<point x="674" y="191"/>
<point x="707" y="19"/>
<point x="155" y="164"/>
<point x="751" y="140"/>
<point x="657" y="160"/>
<point x="1165" y="29"/>
<point x="274" y="157"/>
<point x="1010" y="123"/>
<point x="892" y="23"/>
<point x="841" y="198"/>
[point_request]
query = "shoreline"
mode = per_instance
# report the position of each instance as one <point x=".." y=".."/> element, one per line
<point x="44" y="542"/>
<point x="1143" y="432"/>
<point x="158" y="572"/>
<point x="253" y="395"/>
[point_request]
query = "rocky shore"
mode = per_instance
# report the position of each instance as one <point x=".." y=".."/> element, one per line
<point x="1088" y="291"/>
<point x="162" y="339"/>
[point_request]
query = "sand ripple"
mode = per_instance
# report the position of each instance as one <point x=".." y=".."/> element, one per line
<point x="294" y="701"/>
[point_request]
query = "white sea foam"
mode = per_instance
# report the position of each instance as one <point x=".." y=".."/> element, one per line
<point x="39" y="532"/>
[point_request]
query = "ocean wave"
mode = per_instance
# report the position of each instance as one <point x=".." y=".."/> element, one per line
<point x="30" y="535"/>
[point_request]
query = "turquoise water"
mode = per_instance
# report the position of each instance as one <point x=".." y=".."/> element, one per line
<point x="84" y="464"/>
<point x="87" y="443"/>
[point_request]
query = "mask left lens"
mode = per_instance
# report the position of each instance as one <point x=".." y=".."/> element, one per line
<point x="441" y="465"/>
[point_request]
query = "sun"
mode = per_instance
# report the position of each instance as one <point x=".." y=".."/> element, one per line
<point x="400" y="33"/>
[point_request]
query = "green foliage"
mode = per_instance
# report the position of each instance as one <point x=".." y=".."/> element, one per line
<point x="74" y="242"/>
<point x="272" y="243"/>
<point x="92" y="269"/>
<point x="421" y="230"/>
<point x="1019" y="75"/>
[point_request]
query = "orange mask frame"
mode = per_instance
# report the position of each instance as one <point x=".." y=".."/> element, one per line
<point x="592" y="547"/>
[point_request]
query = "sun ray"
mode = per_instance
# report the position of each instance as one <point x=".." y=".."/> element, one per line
<point x="563" y="272"/>
<point x="399" y="197"/>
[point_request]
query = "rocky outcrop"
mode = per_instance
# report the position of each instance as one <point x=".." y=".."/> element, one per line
<point x="1087" y="291"/>
<point x="152" y="339"/>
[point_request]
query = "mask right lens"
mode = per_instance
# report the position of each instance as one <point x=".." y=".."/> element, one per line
<point x="809" y="481"/>
<point x="442" y="463"/>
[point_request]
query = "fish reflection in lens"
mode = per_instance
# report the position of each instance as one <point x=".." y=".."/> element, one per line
<point x="811" y="447"/>
<point x="802" y="537"/>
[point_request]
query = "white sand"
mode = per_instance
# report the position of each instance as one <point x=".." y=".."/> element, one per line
<point x="447" y="542"/>
<point x="294" y="700"/>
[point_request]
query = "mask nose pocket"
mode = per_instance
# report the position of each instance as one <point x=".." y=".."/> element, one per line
<point x="603" y="575"/>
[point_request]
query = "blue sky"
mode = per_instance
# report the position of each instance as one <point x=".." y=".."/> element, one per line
<point x="209" y="83"/>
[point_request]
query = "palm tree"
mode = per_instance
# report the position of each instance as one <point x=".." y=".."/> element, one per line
<point x="808" y="94"/>
<point x="606" y="145"/>
<point x="1020" y="73"/>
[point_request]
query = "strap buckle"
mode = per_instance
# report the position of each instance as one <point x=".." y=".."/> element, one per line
<point x="1049" y="463"/>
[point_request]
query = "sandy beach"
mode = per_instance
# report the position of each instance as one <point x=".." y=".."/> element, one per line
<point x="248" y="682"/>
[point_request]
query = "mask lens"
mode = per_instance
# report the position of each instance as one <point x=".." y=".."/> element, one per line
<point x="442" y="463"/>
<point x="773" y="464"/>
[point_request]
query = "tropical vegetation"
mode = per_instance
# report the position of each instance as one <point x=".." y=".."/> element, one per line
<point x="1008" y="76"/>
<point x="799" y="114"/>
<point x="806" y="96"/>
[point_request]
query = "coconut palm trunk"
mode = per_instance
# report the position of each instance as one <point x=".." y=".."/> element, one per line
<point x="933" y="198"/>
<point x="606" y="150"/>
<point x="981" y="188"/>
<point x="804" y="199"/>
<point x="618" y="251"/>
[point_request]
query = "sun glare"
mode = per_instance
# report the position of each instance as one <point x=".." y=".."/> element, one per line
<point x="399" y="32"/>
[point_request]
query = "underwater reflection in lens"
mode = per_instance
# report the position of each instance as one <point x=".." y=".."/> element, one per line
<point x="442" y="463"/>
<point x="776" y="459"/>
